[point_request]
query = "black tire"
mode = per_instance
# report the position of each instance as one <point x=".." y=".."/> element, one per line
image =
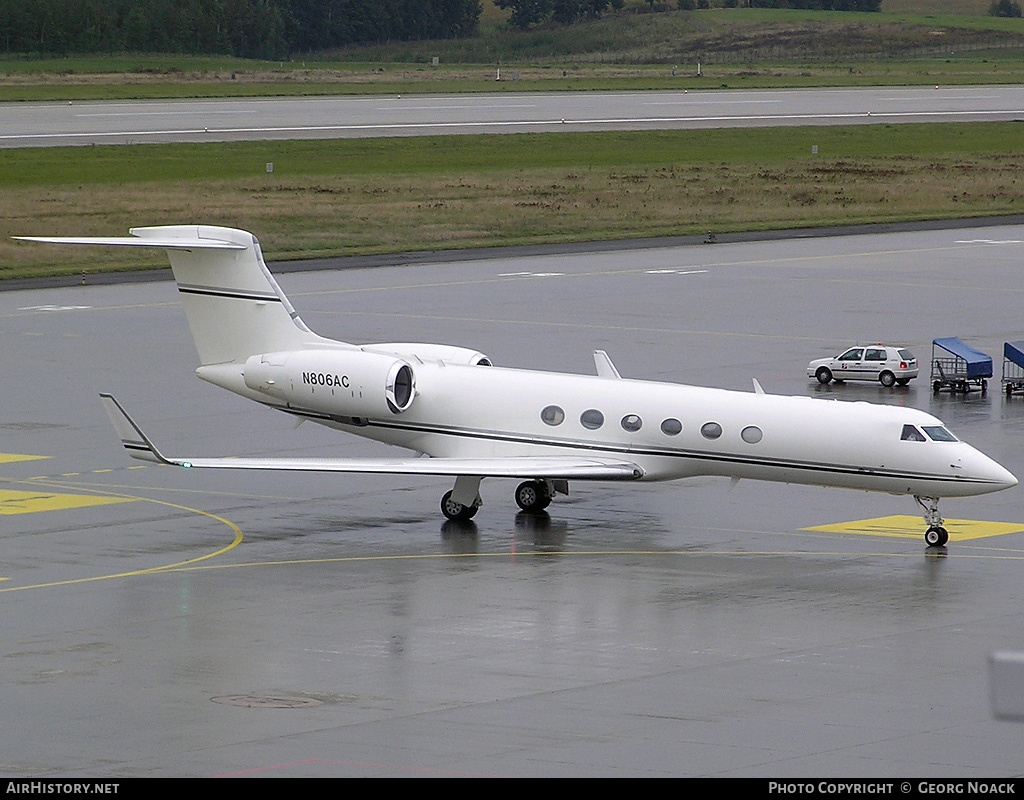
<point x="902" y="381"/>
<point x="887" y="379"/>
<point x="936" y="536"/>
<point x="936" y="386"/>
<point x="824" y="375"/>
<point x="456" y="511"/>
<point x="532" y="496"/>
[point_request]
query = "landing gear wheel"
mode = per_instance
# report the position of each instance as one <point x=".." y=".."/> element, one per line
<point x="533" y="496"/>
<point x="457" y="511"/>
<point x="936" y="536"/>
<point x="824" y="375"/>
<point x="887" y="379"/>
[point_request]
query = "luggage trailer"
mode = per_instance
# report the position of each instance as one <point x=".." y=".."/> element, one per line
<point x="959" y="367"/>
<point x="1013" y="368"/>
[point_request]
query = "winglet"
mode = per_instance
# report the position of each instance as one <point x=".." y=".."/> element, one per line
<point x="757" y="387"/>
<point x="134" y="440"/>
<point x="604" y="365"/>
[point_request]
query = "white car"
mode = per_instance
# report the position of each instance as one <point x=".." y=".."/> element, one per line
<point x="877" y="362"/>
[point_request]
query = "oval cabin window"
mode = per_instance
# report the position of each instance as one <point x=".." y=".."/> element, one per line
<point x="632" y="423"/>
<point x="552" y="415"/>
<point x="711" y="430"/>
<point x="671" y="427"/>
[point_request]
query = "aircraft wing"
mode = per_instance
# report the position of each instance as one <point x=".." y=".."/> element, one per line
<point x="573" y="467"/>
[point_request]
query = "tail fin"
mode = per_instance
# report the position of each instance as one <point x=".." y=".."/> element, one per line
<point x="234" y="306"/>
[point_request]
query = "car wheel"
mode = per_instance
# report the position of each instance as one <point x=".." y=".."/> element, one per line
<point x="903" y="381"/>
<point x="887" y="378"/>
<point x="824" y="375"/>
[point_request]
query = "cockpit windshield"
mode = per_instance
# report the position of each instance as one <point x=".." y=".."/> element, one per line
<point x="936" y="433"/>
<point x="939" y="434"/>
<point x="912" y="434"/>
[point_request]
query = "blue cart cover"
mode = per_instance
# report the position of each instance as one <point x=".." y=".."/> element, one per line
<point x="979" y="365"/>
<point x="1014" y="351"/>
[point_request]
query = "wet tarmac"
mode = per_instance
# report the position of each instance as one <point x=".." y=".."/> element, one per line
<point x="162" y="622"/>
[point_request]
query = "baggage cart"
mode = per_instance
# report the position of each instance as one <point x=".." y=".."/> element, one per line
<point x="1013" y="367"/>
<point x="959" y="367"/>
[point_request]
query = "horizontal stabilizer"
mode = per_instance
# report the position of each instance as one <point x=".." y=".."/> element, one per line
<point x="139" y="446"/>
<point x="133" y="241"/>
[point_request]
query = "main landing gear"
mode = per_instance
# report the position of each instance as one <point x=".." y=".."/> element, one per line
<point x="532" y="496"/>
<point x="936" y="535"/>
<point x="457" y="511"/>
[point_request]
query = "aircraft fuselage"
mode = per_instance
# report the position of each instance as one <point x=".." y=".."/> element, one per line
<point x="671" y="430"/>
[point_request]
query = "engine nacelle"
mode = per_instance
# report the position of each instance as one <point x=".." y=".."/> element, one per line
<point x="346" y="383"/>
<point x="445" y="353"/>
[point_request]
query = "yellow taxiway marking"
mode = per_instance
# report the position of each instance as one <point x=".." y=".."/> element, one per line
<point x="899" y="526"/>
<point x="115" y="498"/>
<point x="12" y="502"/>
<point x="10" y="458"/>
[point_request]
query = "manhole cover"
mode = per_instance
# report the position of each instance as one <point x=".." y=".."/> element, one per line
<point x="266" y="701"/>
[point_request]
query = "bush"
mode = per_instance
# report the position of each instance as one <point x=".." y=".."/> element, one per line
<point x="1004" y="8"/>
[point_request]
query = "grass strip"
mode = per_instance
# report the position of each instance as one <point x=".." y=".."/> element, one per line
<point x="350" y="197"/>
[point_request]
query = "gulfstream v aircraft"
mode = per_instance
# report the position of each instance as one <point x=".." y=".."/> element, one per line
<point x="473" y="420"/>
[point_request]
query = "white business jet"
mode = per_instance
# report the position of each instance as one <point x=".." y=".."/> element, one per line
<point x="471" y="420"/>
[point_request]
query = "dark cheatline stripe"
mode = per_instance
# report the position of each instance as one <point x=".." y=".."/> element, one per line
<point x="214" y="291"/>
<point x="723" y="458"/>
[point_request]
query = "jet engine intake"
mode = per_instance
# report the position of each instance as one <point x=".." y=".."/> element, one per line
<point x="349" y="383"/>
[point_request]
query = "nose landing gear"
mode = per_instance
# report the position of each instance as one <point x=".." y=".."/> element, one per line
<point x="936" y="535"/>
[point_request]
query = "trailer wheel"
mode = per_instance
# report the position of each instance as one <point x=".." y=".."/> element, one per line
<point x="936" y="386"/>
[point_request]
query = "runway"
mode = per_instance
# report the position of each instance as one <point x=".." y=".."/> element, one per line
<point x="163" y="622"/>
<point x="90" y="123"/>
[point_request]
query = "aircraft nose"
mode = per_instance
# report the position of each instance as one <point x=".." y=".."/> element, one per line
<point x="993" y="473"/>
<point x="1006" y="478"/>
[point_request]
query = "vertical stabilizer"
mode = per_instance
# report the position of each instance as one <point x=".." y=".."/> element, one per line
<point x="234" y="306"/>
